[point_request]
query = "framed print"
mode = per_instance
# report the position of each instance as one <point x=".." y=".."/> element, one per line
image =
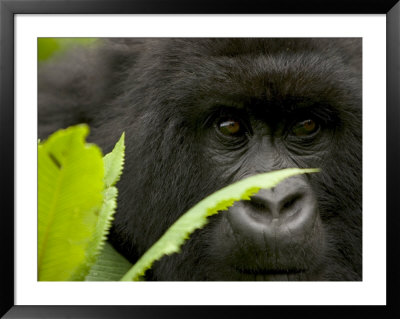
<point x="207" y="97"/>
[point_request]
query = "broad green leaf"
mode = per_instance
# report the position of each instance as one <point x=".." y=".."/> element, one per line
<point x="110" y="266"/>
<point x="196" y="217"/>
<point x="114" y="162"/>
<point x="70" y="196"/>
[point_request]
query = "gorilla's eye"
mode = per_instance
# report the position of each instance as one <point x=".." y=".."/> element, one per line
<point x="230" y="127"/>
<point x="305" y="128"/>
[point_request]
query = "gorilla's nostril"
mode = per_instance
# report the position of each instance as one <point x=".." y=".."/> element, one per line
<point x="289" y="205"/>
<point x="260" y="204"/>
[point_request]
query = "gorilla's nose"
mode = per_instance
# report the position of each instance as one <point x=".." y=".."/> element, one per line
<point x="280" y="203"/>
<point x="280" y="215"/>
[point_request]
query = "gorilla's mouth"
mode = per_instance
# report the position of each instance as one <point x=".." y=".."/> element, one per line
<point x="273" y="275"/>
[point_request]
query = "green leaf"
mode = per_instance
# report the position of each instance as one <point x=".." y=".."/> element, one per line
<point x="196" y="217"/>
<point x="70" y="195"/>
<point x="113" y="165"/>
<point x="110" y="266"/>
<point x="101" y="230"/>
<point x="48" y="46"/>
<point x="114" y="162"/>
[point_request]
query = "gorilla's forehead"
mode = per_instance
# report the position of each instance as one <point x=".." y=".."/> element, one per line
<point x="252" y="46"/>
<point x="260" y="72"/>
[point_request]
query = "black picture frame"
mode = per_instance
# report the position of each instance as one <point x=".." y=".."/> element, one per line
<point x="8" y="10"/>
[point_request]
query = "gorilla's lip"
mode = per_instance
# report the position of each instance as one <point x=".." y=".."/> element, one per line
<point x="271" y="271"/>
<point x="272" y="275"/>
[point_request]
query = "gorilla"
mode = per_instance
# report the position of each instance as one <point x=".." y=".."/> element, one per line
<point x="202" y="113"/>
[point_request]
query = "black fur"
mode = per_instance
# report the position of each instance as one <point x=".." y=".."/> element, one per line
<point x="166" y="93"/>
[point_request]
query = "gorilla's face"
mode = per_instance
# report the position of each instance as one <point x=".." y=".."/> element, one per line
<point x="200" y="114"/>
<point x="220" y="116"/>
